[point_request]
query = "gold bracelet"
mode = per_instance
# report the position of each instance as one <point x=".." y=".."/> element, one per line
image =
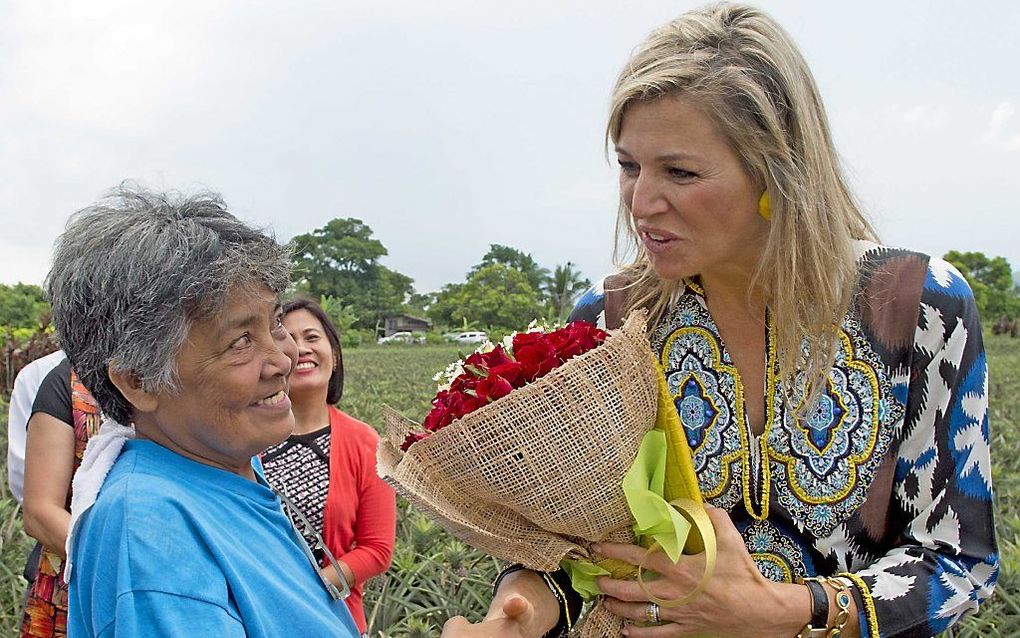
<point x="843" y="602"/>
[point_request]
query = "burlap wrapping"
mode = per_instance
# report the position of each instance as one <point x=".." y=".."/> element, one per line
<point x="537" y="475"/>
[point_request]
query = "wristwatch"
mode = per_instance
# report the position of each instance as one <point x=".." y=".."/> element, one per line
<point x="818" y="627"/>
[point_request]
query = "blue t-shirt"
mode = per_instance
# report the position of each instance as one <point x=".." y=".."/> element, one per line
<point x="176" y="548"/>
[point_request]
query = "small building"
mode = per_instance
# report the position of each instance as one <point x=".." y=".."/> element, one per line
<point x="405" y="323"/>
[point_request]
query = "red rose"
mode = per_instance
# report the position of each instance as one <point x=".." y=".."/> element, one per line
<point x="565" y="344"/>
<point x="413" y="438"/>
<point x="493" y="387"/>
<point x="439" y="416"/>
<point x="465" y="382"/>
<point x="512" y="371"/>
<point x="495" y="374"/>
<point x="476" y="359"/>
<point x="496" y="357"/>
<point x="458" y="405"/>
<point x="597" y="334"/>
<point x="450" y="405"/>
<point x="535" y="353"/>
<point x="576" y="338"/>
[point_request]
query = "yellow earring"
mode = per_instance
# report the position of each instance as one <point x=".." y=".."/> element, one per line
<point x="765" y="207"/>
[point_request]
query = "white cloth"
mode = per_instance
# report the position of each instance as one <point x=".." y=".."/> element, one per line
<point x="101" y="453"/>
<point x="26" y="386"/>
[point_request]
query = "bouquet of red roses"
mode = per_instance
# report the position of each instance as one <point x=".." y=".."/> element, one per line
<point x="494" y="371"/>
<point x="525" y="452"/>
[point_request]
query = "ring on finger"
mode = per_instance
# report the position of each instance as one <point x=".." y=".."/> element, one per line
<point x="652" y="612"/>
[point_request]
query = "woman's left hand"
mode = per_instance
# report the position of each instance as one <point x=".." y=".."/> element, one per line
<point x="737" y="601"/>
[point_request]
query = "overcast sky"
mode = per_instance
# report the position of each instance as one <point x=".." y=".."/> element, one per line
<point x="450" y="125"/>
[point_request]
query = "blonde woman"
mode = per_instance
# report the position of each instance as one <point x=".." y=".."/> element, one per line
<point x="833" y="390"/>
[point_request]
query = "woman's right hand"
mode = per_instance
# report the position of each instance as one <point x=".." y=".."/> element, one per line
<point x="522" y="608"/>
<point x="511" y="620"/>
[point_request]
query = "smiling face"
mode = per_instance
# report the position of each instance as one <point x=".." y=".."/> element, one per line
<point x="316" y="359"/>
<point x="231" y="401"/>
<point x="694" y="205"/>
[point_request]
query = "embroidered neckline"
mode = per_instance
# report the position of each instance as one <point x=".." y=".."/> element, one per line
<point x="819" y="468"/>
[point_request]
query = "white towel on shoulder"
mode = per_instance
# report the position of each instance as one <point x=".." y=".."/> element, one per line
<point x="101" y="452"/>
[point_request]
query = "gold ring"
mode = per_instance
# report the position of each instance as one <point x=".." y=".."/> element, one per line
<point x="652" y="613"/>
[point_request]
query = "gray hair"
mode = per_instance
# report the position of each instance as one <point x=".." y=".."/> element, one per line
<point x="133" y="271"/>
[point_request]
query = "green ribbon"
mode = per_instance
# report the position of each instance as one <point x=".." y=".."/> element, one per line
<point x="582" y="577"/>
<point x="656" y="521"/>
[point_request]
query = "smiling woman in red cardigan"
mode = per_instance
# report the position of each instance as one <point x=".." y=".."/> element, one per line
<point x="327" y="467"/>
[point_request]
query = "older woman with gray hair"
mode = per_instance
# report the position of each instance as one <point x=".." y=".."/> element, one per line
<point x="167" y="307"/>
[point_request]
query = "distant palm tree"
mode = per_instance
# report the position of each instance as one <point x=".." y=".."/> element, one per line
<point x="563" y="288"/>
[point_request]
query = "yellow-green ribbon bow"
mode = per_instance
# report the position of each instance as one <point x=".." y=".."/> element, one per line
<point x="663" y="496"/>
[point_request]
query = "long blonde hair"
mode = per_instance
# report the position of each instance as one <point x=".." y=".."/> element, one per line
<point x="743" y="70"/>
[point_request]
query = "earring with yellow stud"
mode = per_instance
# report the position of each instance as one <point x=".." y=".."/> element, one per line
<point x="765" y="207"/>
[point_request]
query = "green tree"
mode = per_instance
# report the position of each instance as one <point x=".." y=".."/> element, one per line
<point x="418" y="303"/>
<point x="341" y="260"/>
<point x="22" y="305"/>
<point x="344" y="316"/>
<point x="495" y="295"/>
<point x="991" y="279"/>
<point x="563" y="288"/>
<point x="513" y="258"/>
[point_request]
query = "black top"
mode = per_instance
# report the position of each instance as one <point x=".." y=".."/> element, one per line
<point x="300" y="467"/>
<point x="54" y="396"/>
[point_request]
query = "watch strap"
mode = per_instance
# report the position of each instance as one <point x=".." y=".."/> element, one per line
<point x="819" y="604"/>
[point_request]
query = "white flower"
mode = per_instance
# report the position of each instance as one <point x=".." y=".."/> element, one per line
<point x="446" y="377"/>
<point x="508" y="342"/>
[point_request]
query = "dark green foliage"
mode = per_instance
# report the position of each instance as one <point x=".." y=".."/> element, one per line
<point x="995" y="291"/>
<point x="418" y="303"/>
<point x="341" y="260"/>
<point x="22" y="305"/>
<point x="505" y="291"/>
<point x="344" y="316"/>
<point x="517" y="260"/>
<point x="494" y="295"/>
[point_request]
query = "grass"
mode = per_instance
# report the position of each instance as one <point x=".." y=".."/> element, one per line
<point x="1001" y="615"/>
<point x="435" y="576"/>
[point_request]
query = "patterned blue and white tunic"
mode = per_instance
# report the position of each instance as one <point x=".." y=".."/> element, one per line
<point x="886" y="480"/>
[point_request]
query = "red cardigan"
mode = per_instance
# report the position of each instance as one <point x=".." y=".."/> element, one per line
<point x="359" y="522"/>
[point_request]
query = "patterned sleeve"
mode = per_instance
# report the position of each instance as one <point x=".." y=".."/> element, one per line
<point x="947" y="561"/>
